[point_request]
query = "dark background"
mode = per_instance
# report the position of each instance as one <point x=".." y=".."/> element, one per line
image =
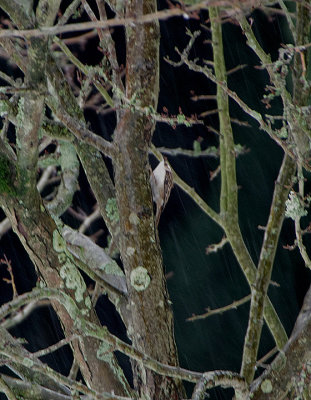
<point x="195" y="281"/>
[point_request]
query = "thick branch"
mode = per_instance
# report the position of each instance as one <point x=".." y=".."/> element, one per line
<point x="151" y="325"/>
<point x="275" y="383"/>
<point x="31" y="111"/>
<point x="224" y="379"/>
<point x="264" y="270"/>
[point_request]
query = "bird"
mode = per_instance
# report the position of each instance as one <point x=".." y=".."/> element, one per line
<point x="161" y="181"/>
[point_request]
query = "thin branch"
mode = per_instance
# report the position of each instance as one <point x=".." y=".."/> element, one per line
<point x="88" y="220"/>
<point x="289" y="19"/>
<point x="228" y="194"/>
<point x="271" y="353"/>
<point x="233" y="95"/>
<point x="56" y="346"/>
<point x="83" y="26"/>
<point x="300" y="244"/>
<point x="11" y="281"/>
<point x="7" y="78"/>
<point x="209" y="152"/>
<point x="5" y="226"/>
<point x="209" y="313"/>
<point x="108" y="45"/>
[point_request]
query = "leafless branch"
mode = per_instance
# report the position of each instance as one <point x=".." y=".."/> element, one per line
<point x="209" y="313"/>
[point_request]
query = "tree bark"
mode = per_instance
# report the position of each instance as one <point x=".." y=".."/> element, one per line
<point x="151" y="324"/>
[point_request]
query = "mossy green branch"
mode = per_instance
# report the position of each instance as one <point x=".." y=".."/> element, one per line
<point x="228" y="197"/>
<point x="264" y="270"/>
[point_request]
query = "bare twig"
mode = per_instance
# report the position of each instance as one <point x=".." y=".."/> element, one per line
<point x="56" y="346"/>
<point x="209" y="313"/>
<point x="68" y="12"/>
<point x="213" y="248"/>
<point x="209" y="152"/>
<point x="89" y="220"/>
<point x="10" y="281"/>
<point x="263" y="125"/>
<point x="271" y="353"/>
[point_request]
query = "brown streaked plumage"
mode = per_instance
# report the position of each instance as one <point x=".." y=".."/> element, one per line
<point x="161" y="181"/>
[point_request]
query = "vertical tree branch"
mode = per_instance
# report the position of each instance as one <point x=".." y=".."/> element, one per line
<point x="265" y="265"/>
<point x="151" y="325"/>
<point x="228" y="196"/>
<point x="229" y="206"/>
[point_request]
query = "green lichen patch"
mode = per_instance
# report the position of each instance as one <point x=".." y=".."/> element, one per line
<point x="62" y="258"/>
<point x="88" y="302"/>
<point x="133" y="218"/>
<point x="73" y="280"/>
<point x="27" y="362"/>
<point x="266" y="386"/>
<point x="59" y="243"/>
<point x="4" y="108"/>
<point x="130" y="251"/>
<point x="104" y="352"/>
<point x="140" y="279"/>
<point x="112" y="209"/>
<point x="112" y="268"/>
<point x="294" y="207"/>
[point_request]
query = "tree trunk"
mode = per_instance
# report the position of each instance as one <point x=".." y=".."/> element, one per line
<point x="151" y="321"/>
